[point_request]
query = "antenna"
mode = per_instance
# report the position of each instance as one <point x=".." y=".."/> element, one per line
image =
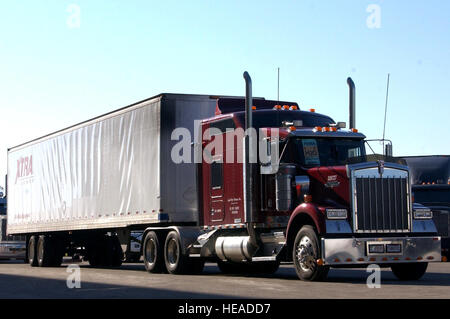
<point x="385" y="108"/>
<point x="278" y="91"/>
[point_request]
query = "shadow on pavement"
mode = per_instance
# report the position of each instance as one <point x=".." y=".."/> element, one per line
<point x="32" y="287"/>
<point x="13" y="286"/>
<point x="349" y="276"/>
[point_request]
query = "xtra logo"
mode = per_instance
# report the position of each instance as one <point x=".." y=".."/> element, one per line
<point x="24" y="167"/>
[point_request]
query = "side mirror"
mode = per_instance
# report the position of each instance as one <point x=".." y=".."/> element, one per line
<point x="269" y="156"/>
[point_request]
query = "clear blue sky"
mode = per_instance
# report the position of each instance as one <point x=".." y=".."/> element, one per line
<point x="53" y="76"/>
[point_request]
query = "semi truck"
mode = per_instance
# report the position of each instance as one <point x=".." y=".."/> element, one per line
<point x="430" y="178"/>
<point x="183" y="170"/>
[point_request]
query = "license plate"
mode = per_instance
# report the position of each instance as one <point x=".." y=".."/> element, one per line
<point x="376" y="248"/>
<point x="394" y="248"/>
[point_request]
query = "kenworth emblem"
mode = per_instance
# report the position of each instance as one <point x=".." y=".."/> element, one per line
<point x="332" y="181"/>
<point x="381" y="167"/>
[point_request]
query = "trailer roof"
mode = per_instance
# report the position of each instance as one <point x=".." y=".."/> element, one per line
<point x="124" y="109"/>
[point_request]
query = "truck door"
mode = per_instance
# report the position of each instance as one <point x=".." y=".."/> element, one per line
<point x="212" y="180"/>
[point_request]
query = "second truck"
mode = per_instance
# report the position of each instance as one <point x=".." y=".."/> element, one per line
<point x="321" y="202"/>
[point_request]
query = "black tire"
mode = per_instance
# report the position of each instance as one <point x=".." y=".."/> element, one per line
<point x="105" y="251"/>
<point x="96" y="252"/>
<point x="175" y="260"/>
<point x="305" y="253"/>
<point x="94" y="257"/>
<point x="153" y="253"/>
<point x="412" y="271"/>
<point x="45" y="251"/>
<point x="31" y="251"/>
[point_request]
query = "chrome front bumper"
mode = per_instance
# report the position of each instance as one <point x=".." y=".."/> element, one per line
<point x="349" y="251"/>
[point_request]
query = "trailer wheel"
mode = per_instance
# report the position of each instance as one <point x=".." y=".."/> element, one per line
<point x="44" y="251"/>
<point x="153" y="253"/>
<point x="306" y="251"/>
<point x="176" y="262"/>
<point x="32" y="259"/>
<point x="410" y="271"/>
<point x="94" y="257"/>
<point x="96" y="252"/>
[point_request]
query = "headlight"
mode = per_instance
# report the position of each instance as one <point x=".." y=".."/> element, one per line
<point x="335" y="213"/>
<point x="423" y="214"/>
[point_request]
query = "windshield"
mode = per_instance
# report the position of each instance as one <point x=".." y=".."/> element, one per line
<point x="311" y="152"/>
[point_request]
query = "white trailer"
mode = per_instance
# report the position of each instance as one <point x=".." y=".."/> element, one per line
<point x="109" y="174"/>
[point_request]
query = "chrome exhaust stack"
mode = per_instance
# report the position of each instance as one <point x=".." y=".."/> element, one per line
<point x="248" y="167"/>
<point x="352" y="112"/>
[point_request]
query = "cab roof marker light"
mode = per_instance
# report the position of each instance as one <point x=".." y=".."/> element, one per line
<point x="312" y="110"/>
<point x="293" y="107"/>
<point x="318" y="128"/>
<point x="354" y="130"/>
<point x="277" y="107"/>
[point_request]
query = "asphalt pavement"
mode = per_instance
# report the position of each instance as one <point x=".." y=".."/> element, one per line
<point x="19" y="280"/>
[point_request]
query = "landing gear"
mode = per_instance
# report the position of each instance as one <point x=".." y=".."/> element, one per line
<point x="105" y="251"/>
<point x="306" y="252"/>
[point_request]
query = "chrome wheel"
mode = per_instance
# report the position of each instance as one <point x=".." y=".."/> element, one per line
<point x="153" y="253"/>
<point x="305" y="254"/>
<point x="150" y="251"/>
<point x="172" y="252"/>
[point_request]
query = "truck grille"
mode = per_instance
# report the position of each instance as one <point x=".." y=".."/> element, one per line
<point x="381" y="204"/>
